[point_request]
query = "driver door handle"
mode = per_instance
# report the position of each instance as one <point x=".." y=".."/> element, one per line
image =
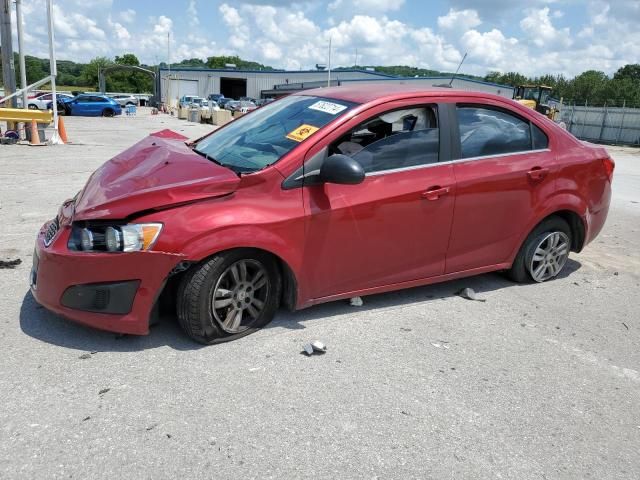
<point x="435" y="192"/>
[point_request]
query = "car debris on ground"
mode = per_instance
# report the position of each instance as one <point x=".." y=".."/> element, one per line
<point x="315" y="347"/>
<point x="356" y="302"/>
<point x="10" y="264"/>
<point x="470" y="294"/>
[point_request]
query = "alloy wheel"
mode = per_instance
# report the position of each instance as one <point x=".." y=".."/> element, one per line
<point x="549" y="256"/>
<point x="240" y="295"/>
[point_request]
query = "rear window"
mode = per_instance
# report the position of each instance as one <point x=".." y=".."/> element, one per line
<point x="486" y="132"/>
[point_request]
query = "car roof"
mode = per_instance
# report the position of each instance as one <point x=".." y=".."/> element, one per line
<point x="368" y="93"/>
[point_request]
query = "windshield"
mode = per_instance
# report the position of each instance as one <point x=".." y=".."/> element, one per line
<point x="258" y="140"/>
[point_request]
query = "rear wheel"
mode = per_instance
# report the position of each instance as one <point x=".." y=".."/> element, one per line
<point x="544" y="253"/>
<point x="229" y="296"/>
<point x="107" y="112"/>
<point x="33" y="106"/>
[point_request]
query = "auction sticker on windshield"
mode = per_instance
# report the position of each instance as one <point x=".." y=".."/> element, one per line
<point x="328" y="107"/>
<point x="302" y="132"/>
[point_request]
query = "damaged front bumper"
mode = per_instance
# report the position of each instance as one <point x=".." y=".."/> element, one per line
<point x="108" y="291"/>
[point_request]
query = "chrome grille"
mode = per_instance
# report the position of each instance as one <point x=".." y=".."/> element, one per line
<point x="52" y="229"/>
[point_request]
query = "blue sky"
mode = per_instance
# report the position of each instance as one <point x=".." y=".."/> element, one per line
<point x="533" y="37"/>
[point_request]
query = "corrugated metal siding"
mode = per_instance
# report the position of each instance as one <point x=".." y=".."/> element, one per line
<point x="603" y="124"/>
<point x="209" y="80"/>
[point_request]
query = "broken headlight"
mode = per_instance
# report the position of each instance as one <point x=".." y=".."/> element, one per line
<point x="114" y="238"/>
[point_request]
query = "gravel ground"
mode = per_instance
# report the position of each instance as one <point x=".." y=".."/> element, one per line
<point x="538" y="382"/>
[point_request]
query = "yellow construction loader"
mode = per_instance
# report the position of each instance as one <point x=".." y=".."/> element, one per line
<point x="537" y="98"/>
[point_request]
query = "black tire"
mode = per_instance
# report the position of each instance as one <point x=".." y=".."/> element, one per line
<point x="33" y="107"/>
<point x="520" y="271"/>
<point x="195" y="296"/>
<point x="107" y="112"/>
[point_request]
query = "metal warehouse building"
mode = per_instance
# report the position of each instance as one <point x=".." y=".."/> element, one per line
<point x="234" y="83"/>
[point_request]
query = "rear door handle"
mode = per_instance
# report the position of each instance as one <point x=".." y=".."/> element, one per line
<point x="434" y="193"/>
<point x="538" y="173"/>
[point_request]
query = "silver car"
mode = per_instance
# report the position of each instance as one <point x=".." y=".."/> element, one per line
<point x="125" y="100"/>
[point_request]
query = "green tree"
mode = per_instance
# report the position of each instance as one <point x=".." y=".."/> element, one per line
<point x="631" y="72"/>
<point x="89" y="75"/>
<point x="127" y="59"/>
<point x="220" y="62"/>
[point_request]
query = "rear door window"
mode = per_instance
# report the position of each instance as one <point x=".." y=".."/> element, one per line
<point x="394" y="140"/>
<point x="487" y="131"/>
<point x="539" y="138"/>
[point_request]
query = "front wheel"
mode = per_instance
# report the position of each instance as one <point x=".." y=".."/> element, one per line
<point x="229" y="296"/>
<point x="107" y="112"/>
<point x="544" y="253"/>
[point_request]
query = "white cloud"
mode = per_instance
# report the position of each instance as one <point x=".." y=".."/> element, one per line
<point x="497" y="34"/>
<point x="538" y="28"/>
<point x="128" y="15"/>
<point x="366" y="5"/>
<point x="192" y="12"/>
<point x="495" y="50"/>
<point x="459" y="20"/>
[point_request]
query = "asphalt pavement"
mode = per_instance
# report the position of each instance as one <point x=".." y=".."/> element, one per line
<point x="537" y="382"/>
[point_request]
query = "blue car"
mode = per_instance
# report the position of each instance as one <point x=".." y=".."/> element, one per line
<point x="88" y="105"/>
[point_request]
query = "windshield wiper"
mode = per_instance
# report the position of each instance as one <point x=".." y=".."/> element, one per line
<point x="211" y="159"/>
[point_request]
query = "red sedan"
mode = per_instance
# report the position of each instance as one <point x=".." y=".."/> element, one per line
<point x="323" y="195"/>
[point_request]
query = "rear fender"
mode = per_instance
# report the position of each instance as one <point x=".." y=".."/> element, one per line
<point x="556" y="203"/>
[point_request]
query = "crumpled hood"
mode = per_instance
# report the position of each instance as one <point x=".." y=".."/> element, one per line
<point x="157" y="172"/>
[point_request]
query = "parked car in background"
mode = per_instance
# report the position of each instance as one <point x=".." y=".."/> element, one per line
<point x="247" y="99"/>
<point x="89" y="106"/>
<point x="322" y="195"/>
<point x="223" y="101"/>
<point x="263" y="101"/>
<point x="40" y="102"/>
<point x="240" y="106"/>
<point x="186" y="100"/>
<point x="124" y="100"/>
<point x="143" y="99"/>
<point x="216" y="97"/>
<point x="199" y="101"/>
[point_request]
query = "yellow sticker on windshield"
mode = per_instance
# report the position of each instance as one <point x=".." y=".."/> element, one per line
<point x="302" y="132"/>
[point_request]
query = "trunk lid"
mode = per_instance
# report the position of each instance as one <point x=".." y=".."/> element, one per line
<point x="157" y="172"/>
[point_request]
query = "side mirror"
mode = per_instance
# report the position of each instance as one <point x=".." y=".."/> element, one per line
<point x="341" y="169"/>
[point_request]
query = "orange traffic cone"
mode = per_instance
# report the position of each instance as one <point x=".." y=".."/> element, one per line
<point x="61" y="130"/>
<point x="35" y="137"/>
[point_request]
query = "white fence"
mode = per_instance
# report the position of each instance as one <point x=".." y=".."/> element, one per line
<point x="612" y="125"/>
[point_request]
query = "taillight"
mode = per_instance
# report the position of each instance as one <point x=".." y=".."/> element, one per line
<point x="609" y="165"/>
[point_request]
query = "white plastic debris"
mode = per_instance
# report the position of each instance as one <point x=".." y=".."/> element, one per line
<point x="316" y="347"/>
<point x="356" y="302"/>
<point x="469" y="294"/>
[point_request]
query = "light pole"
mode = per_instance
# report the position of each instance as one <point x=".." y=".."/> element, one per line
<point x="54" y="72"/>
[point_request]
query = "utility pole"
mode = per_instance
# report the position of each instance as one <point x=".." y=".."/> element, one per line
<point x="8" y="67"/>
<point x="54" y="71"/>
<point x="23" y="69"/>
<point x="169" y="70"/>
<point x="329" y="64"/>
